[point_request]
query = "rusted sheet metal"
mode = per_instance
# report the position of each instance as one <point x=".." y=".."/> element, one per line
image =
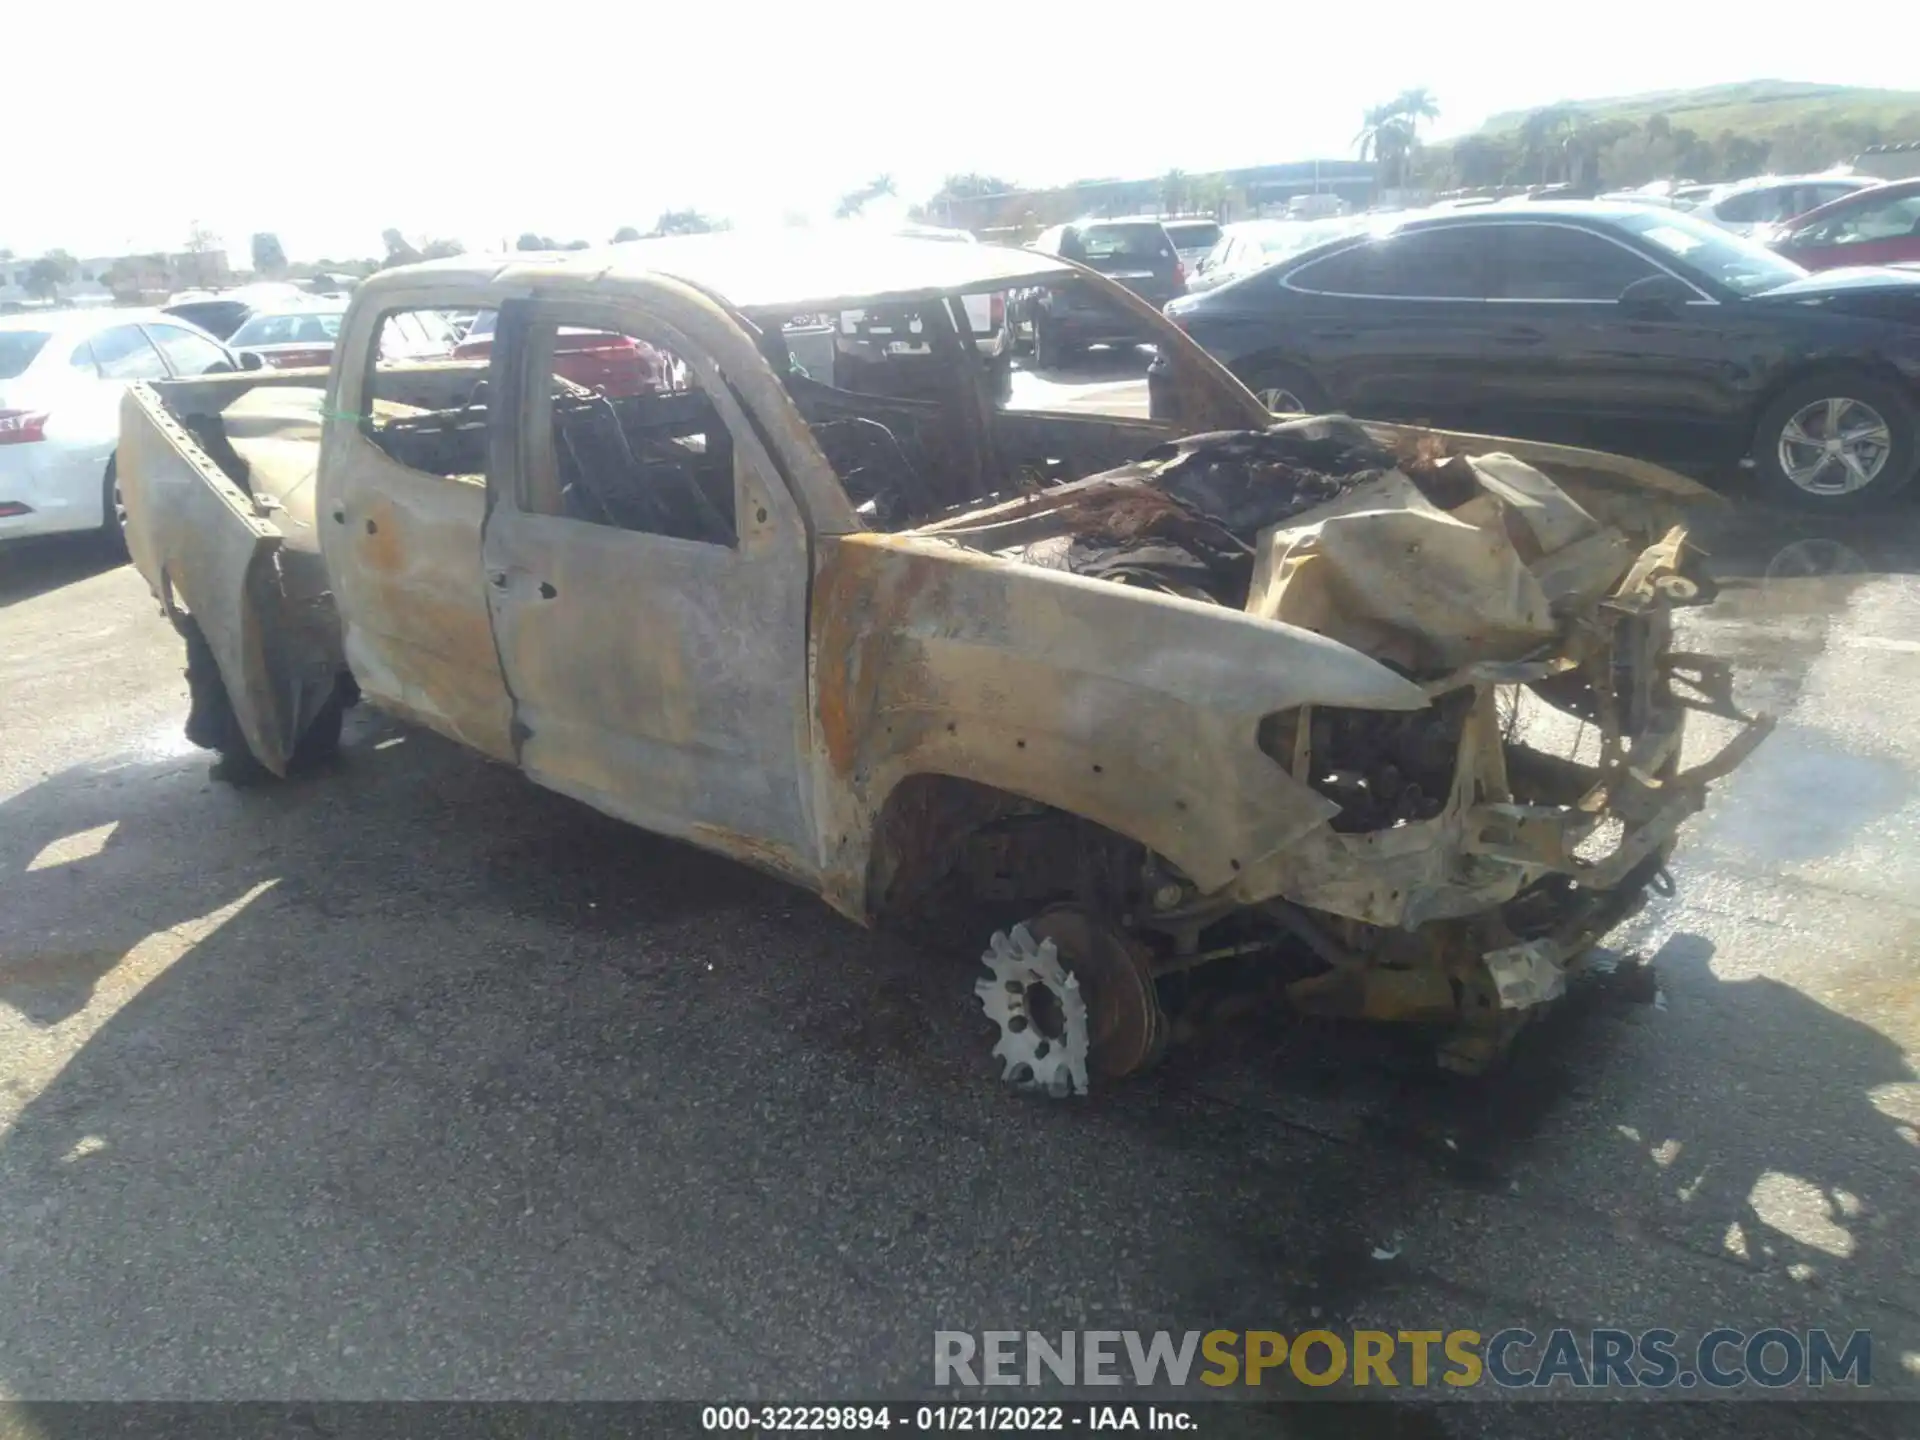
<point x="1406" y="583"/>
<point x="1387" y="571"/>
<point x="207" y="550"/>
<point x="404" y="552"/>
<point x="403" y="547"/>
<point x="661" y="680"/>
<point x="1413" y="872"/>
<point x="275" y="432"/>
<point x="658" y="678"/>
<point x="1136" y="710"/>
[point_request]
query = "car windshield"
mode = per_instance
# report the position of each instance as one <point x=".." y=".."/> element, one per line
<point x="17" y="349"/>
<point x="302" y="327"/>
<point x="1193" y="234"/>
<point x="1742" y="265"/>
<point x="1881" y="218"/>
<point x="1130" y="244"/>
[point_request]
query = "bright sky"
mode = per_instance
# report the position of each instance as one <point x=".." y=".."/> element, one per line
<point x="328" y="123"/>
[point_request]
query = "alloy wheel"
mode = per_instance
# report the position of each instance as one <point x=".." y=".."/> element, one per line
<point x="1835" y="446"/>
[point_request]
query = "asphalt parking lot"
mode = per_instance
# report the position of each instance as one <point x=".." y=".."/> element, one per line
<point x="413" y="1080"/>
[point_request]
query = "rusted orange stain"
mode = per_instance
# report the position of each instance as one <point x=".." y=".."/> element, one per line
<point x="379" y="539"/>
<point x="868" y="593"/>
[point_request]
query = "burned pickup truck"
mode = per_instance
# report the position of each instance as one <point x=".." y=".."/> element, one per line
<point x="1156" y="693"/>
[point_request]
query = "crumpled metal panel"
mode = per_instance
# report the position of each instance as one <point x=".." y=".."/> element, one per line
<point x="1384" y="569"/>
<point x="203" y="547"/>
<point x="1420" y="588"/>
<point x="1136" y="710"/>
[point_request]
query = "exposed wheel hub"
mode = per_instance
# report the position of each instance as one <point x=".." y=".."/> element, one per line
<point x="1027" y="992"/>
<point x="1073" y="1000"/>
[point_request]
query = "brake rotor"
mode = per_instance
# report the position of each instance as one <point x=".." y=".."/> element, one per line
<point x="1073" y="1000"/>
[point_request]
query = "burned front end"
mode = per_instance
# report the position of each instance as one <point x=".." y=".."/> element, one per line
<point x="1465" y="855"/>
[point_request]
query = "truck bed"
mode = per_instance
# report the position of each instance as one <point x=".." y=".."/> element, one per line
<point x="263" y="432"/>
<point x="219" y="479"/>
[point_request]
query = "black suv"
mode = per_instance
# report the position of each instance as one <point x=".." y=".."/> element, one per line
<point x="1064" y="319"/>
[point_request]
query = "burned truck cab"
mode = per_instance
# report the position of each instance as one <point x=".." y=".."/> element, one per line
<point x="1393" y="717"/>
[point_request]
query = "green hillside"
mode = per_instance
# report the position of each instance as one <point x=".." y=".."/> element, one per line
<point x="1722" y="132"/>
<point x="1757" y="108"/>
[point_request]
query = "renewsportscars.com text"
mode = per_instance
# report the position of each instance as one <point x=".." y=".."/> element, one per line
<point x="1510" y="1359"/>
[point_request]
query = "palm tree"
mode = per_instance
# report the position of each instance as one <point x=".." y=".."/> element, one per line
<point x="1392" y="131"/>
<point x="1415" y="106"/>
<point x="1368" y="140"/>
<point x="1387" y="137"/>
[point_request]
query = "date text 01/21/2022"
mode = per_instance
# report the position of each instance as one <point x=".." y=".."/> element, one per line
<point x="981" y="1419"/>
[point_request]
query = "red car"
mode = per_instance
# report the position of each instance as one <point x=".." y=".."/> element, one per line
<point x="1876" y="226"/>
<point x="616" y="366"/>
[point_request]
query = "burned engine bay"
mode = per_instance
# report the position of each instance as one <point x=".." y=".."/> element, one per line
<point x="1470" y="853"/>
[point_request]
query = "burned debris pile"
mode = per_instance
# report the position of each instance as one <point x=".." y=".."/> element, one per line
<point x="1383" y="768"/>
<point x="1429" y="562"/>
<point x="1186" y="517"/>
<point x="1446" y="568"/>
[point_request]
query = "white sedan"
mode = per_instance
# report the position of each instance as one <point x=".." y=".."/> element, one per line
<point x="1250" y="245"/>
<point x="1746" y="205"/>
<point x="61" y="377"/>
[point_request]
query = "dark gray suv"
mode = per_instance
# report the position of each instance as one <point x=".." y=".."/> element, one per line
<point x="1138" y="254"/>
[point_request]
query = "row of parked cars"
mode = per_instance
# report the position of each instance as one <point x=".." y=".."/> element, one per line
<point x="1640" y="328"/>
<point x="1630" y="327"/>
<point x="62" y="374"/>
<point x="61" y="378"/>
<point x="1624" y="324"/>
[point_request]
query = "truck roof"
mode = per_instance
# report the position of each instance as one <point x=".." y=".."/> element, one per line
<point x="797" y="269"/>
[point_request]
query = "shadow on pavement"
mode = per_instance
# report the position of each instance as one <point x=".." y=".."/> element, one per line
<point x="413" y="1080"/>
<point x="1757" y="542"/>
<point x="33" y="567"/>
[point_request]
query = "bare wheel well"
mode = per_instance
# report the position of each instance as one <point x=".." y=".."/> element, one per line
<point x="940" y="838"/>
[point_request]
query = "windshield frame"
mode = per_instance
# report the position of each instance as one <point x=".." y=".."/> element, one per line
<point x="1771" y="269"/>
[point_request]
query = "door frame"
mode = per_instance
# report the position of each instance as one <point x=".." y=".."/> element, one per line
<point x="711" y="801"/>
<point x="417" y="638"/>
